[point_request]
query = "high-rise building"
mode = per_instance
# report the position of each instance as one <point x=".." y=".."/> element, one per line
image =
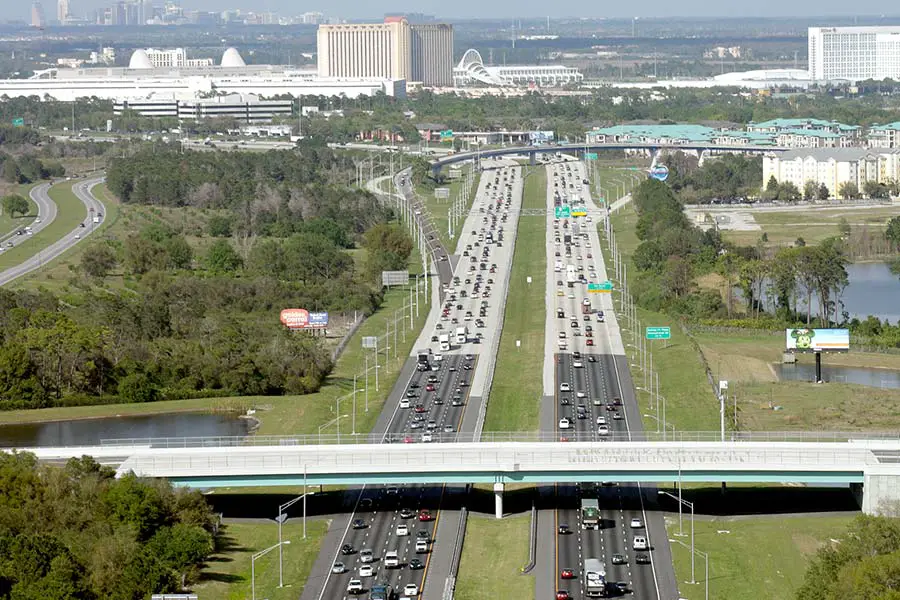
<point x="432" y="54"/>
<point x="854" y="53"/>
<point x="62" y="11"/>
<point x="380" y="50"/>
<point x="37" y="14"/>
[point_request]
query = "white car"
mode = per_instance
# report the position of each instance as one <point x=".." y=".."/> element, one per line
<point x="581" y="394"/>
<point x="365" y="556"/>
<point x="355" y="586"/>
<point x="402" y="530"/>
<point x="565" y="387"/>
<point x="637" y="524"/>
<point x="410" y="589"/>
<point x="564" y="423"/>
<point x="427" y="437"/>
<point x="578" y="364"/>
<point x="601" y="420"/>
<point x="603" y="430"/>
<point x="640" y="543"/>
<point x="366" y="571"/>
<point x="404" y="403"/>
<point x="338" y="568"/>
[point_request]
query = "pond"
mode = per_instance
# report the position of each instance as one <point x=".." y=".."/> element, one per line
<point x="879" y="378"/>
<point x="92" y="431"/>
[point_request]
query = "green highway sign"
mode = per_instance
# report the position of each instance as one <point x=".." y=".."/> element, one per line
<point x="659" y="333"/>
<point x="19" y="122"/>
<point x="447" y="134"/>
<point x="604" y="287"/>
<point x="562" y="212"/>
<point x="590" y="155"/>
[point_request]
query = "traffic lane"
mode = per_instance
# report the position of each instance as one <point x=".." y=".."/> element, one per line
<point x="46" y="214"/>
<point x="568" y="546"/>
<point x="403" y="417"/>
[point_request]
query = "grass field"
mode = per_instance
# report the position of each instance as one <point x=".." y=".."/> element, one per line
<point x="493" y="555"/>
<point x="759" y="557"/>
<point x="226" y="575"/>
<point x="70" y="212"/>
<point x="517" y="386"/>
<point x="8" y="223"/>
<point x="437" y="208"/>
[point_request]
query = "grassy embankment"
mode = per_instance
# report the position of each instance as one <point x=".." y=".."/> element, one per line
<point x="492" y="558"/>
<point x="517" y="386"/>
<point x="437" y="207"/>
<point x="70" y="212"/>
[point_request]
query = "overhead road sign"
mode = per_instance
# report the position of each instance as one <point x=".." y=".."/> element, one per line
<point x="579" y="212"/>
<point x="590" y="155"/>
<point x="446" y="134"/>
<point x="658" y="333"/>
<point x="604" y="287"/>
<point x="562" y="212"/>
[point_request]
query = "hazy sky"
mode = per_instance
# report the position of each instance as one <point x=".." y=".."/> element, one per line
<point x="21" y="9"/>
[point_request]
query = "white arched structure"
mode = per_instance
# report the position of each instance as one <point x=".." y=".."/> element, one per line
<point x="471" y="71"/>
<point x="471" y="67"/>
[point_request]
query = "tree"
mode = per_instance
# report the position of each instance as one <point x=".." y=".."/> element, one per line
<point x="98" y="260"/>
<point x="729" y="266"/>
<point x="181" y="255"/>
<point x="14" y="203"/>
<point x="892" y="233"/>
<point x="844" y="226"/>
<point x="137" y="387"/>
<point x="221" y="257"/>
<point x="788" y="192"/>
<point x="771" y="191"/>
<point x="388" y="248"/>
<point x="848" y="190"/>
<point x="219" y="226"/>
<point x="823" y="193"/>
<point x="11" y="171"/>
<point x="876" y="190"/>
<point x="677" y="276"/>
<point x="810" y="190"/>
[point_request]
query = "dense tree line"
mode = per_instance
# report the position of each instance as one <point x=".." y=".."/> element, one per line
<point x="28" y="169"/>
<point x="726" y="177"/>
<point x="77" y="532"/>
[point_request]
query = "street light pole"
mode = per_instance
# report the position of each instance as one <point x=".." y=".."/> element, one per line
<point x="253" y="558"/>
<point x="282" y="517"/>
<point x="691" y="506"/>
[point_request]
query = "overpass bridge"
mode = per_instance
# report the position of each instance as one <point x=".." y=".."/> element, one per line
<point x="870" y="466"/>
<point x="699" y="148"/>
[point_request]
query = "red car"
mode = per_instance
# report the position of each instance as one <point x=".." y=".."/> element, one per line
<point x="424" y="515"/>
<point x="420" y="408"/>
<point x="563" y="595"/>
<point x="408" y="440"/>
<point x="429" y="387"/>
<point x="590" y="342"/>
<point x="567" y="574"/>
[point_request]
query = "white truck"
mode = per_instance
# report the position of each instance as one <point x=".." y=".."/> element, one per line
<point x="594" y="578"/>
<point x="444" y="340"/>
<point x="462" y="335"/>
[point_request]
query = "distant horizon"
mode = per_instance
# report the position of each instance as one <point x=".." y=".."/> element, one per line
<point x="502" y="9"/>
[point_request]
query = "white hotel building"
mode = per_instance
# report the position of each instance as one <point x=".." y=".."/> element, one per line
<point x="854" y="53"/>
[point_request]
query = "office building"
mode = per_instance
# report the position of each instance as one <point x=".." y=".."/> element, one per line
<point x="62" y="11"/>
<point x="242" y="108"/>
<point x="37" y="14"/>
<point x="176" y="57"/>
<point x="365" y="50"/>
<point x="432" y="54"/>
<point x="854" y="53"/>
<point x="832" y="167"/>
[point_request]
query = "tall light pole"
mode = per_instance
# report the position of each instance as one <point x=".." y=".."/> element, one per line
<point x="281" y="518"/>
<point x="705" y="556"/>
<point x="691" y="506"/>
<point x="253" y="558"/>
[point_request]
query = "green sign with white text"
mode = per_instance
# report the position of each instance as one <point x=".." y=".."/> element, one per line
<point x="658" y="333"/>
<point x="20" y="122"/>
<point x="590" y="155"/>
<point x="563" y="212"/>
<point x="604" y="287"/>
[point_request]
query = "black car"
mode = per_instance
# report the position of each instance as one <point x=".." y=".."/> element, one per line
<point x="359" y="524"/>
<point x="563" y="529"/>
<point x="407" y="513"/>
<point x="642" y="559"/>
<point x="347" y="550"/>
<point x="415" y="564"/>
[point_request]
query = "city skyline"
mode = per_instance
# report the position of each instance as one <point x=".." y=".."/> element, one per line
<point x="350" y="9"/>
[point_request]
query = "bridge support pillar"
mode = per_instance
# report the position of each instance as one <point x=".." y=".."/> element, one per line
<point x="881" y="493"/>
<point x="498" y="500"/>
<point x="532" y="158"/>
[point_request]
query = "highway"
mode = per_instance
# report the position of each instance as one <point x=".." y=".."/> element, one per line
<point x="46" y="206"/>
<point x="430" y="406"/>
<point x="590" y="397"/>
<point x="46" y="214"/>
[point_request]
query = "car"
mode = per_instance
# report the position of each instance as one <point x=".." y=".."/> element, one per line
<point x="366" y="556"/>
<point x="619" y="559"/>
<point x="365" y="504"/>
<point x="347" y="550"/>
<point x="427" y="437"/>
<point x="642" y="558"/>
<point x="470" y="357"/>
<point x="560" y="293"/>
<point x="581" y="395"/>
<point x="366" y="571"/>
<point x="567" y="574"/>
<point x="601" y="421"/>
<point x="565" y="423"/>
<point x="589" y="341"/>
<point x="578" y="364"/>
<point x="392" y="491"/>
<point x="565" y="387"/>
<point x="432" y="379"/>
<point x="637" y="523"/>
<point x="415" y="564"/>
<point x="563" y="595"/>
<point x="420" y="408"/>
<point x="603" y="430"/>
<point x="407" y="513"/>
<point x="425" y="515"/>
<point x="592" y="358"/>
<point x="355" y="586"/>
<point x="338" y="568"/>
<point x="617" y="401"/>
<point x="77" y="236"/>
<point x="429" y="387"/>
<point x="391" y="559"/>
<point x="81" y="224"/>
<point x="563" y="529"/>
<point x="402" y="530"/>
<point x="410" y="589"/>
<point x="617" y="416"/>
<point x="640" y="543"/>
<point x="448" y="429"/>
<point x="404" y="403"/>
<point x="422" y="534"/>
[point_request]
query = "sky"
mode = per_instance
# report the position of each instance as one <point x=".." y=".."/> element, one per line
<point x="353" y="9"/>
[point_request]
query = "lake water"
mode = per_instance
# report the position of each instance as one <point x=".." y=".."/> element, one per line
<point x="92" y="431"/>
<point x="873" y="290"/>
<point x="879" y="378"/>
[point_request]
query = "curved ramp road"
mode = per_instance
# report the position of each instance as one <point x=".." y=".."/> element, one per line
<point x="46" y="215"/>
<point x="82" y="191"/>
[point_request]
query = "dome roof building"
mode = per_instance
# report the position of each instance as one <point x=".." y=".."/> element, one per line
<point x="140" y="60"/>
<point x="232" y="58"/>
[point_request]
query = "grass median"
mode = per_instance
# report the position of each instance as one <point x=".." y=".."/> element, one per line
<point x="751" y="558"/>
<point x="226" y="575"/>
<point x="494" y="552"/>
<point x="70" y="212"/>
<point x="437" y="207"/>
<point x="517" y="388"/>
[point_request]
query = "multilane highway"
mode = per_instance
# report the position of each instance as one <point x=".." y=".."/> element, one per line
<point x="430" y="406"/>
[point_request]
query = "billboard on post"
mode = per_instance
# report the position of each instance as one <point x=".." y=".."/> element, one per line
<point x="817" y="340"/>
<point x="295" y="318"/>
<point x="317" y="320"/>
<point x="537" y="138"/>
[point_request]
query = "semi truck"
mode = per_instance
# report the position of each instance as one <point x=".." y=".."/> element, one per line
<point x="590" y="513"/>
<point x="444" y="340"/>
<point x="423" y="358"/>
<point x="571" y="275"/>
<point x="462" y="335"/>
<point x="594" y="578"/>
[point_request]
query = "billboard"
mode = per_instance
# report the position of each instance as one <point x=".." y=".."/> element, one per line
<point x="389" y="278"/>
<point x="300" y="318"/>
<point x="536" y="138"/>
<point x="817" y="340"/>
<point x="660" y="172"/>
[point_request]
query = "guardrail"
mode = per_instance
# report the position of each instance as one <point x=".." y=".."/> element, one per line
<point x="500" y="436"/>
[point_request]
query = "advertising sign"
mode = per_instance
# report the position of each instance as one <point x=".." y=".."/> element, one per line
<point x="660" y="172"/>
<point x="817" y="340"/>
<point x="536" y="138"/>
<point x="658" y="333"/>
<point x="295" y="318"/>
<point x="369" y="342"/>
<point x="317" y="320"/>
<point x="442" y="193"/>
<point x="389" y="278"/>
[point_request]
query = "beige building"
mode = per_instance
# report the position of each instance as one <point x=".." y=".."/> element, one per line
<point x="832" y="167"/>
<point x="367" y="50"/>
<point x="432" y="54"/>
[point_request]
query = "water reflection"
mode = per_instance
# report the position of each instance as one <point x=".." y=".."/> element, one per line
<point x="880" y="378"/>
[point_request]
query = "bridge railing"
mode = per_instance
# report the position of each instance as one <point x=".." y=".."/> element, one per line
<point x="495" y="436"/>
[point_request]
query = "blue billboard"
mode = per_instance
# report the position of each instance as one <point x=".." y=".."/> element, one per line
<point x="660" y="172"/>
<point x="317" y="319"/>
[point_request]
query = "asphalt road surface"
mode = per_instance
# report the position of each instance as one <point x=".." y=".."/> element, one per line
<point x="82" y="190"/>
<point x="46" y="214"/>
